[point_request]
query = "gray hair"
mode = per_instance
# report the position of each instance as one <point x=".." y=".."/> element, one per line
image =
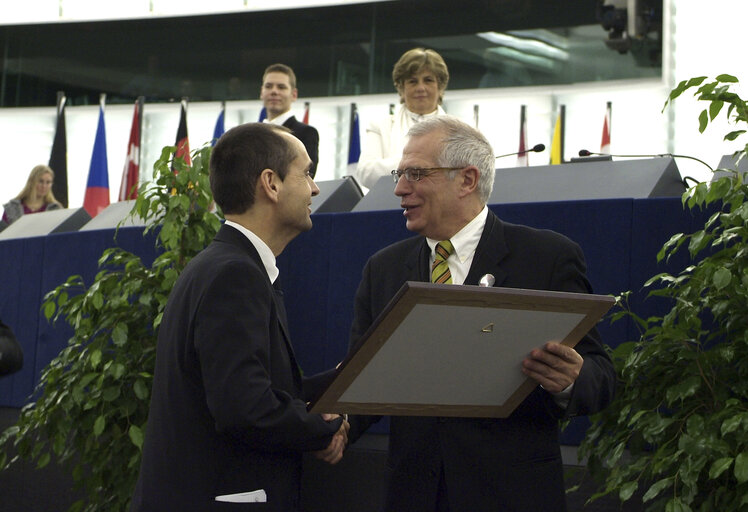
<point x="462" y="145"/>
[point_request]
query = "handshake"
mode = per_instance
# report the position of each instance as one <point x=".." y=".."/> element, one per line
<point x="334" y="451"/>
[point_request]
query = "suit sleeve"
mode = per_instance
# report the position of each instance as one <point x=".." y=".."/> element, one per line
<point x="595" y="387"/>
<point x="235" y="330"/>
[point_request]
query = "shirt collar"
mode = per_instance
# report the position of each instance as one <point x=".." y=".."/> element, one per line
<point x="280" y="119"/>
<point x="465" y="241"/>
<point x="420" y="117"/>
<point x="266" y="255"/>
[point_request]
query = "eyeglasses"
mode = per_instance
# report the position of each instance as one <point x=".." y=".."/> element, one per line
<point x="416" y="174"/>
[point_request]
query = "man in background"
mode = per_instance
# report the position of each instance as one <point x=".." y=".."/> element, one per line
<point x="278" y="93"/>
<point x="444" y="180"/>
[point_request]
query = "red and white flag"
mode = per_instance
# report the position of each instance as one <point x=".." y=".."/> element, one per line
<point x="306" y="113"/>
<point x="128" y="188"/>
<point x="605" y="142"/>
<point x="522" y="160"/>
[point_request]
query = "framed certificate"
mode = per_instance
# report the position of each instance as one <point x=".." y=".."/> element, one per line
<point x="452" y="350"/>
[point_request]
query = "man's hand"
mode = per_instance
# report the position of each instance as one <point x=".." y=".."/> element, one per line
<point x="555" y="366"/>
<point x="334" y="451"/>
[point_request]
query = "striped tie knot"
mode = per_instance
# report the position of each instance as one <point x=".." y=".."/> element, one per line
<point x="440" y="273"/>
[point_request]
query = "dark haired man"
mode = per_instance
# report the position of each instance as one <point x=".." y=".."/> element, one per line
<point x="228" y="418"/>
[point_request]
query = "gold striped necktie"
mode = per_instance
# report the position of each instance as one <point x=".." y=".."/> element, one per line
<point x="440" y="273"/>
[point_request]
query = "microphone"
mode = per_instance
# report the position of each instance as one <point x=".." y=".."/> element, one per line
<point x="537" y="148"/>
<point x="585" y="153"/>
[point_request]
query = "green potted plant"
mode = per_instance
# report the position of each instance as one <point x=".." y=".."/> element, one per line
<point x="93" y="397"/>
<point x="676" y="436"/>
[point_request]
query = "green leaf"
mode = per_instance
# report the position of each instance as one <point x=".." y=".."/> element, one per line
<point x="43" y="460"/>
<point x="719" y="466"/>
<point x="97" y="300"/>
<point x="734" y="135"/>
<point x="657" y="488"/>
<point x="683" y="389"/>
<point x="49" y="309"/>
<point x="627" y="490"/>
<point x="99" y="425"/>
<point x="741" y="467"/>
<point x="714" y="108"/>
<point x="703" y="121"/>
<point x="727" y="78"/>
<point x="732" y="423"/>
<point x="136" y="436"/>
<point x="721" y="278"/>
<point x="119" y="334"/>
<point x="111" y="393"/>
<point x="95" y="358"/>
<point x="140" y="389"/>
<point x="676" y="505"/>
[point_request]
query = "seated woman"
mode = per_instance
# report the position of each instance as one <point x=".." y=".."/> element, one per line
<point x="420" y="77"/>
<point x="35" y="197"/>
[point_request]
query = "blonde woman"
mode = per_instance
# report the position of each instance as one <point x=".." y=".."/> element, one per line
<point x="35" y="197"/>
<point x="420" y="77"/>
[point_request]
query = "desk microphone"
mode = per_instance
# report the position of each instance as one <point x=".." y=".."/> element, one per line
<point x="537" y="148"/>
<point x="584" y="152"/>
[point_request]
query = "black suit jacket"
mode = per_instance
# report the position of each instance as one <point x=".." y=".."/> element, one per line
<point x="228" y="408"/>
<point x="511" y="464"/>
<point x="309" y="136"/>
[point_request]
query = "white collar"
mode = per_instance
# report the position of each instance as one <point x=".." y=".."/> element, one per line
<point x="266" y="255"/>
<point x="280" y="119"/>
<point x="465" y="241"/>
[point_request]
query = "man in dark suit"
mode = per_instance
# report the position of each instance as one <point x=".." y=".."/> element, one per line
<point x="228" y="411"/>
<point x="476" y="464"/>
<point x="278" y="92"/>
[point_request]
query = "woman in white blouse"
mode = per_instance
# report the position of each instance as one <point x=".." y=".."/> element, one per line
<point x="420" y="77"/>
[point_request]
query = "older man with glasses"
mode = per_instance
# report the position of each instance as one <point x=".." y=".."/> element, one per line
<point x="444" y="180"/>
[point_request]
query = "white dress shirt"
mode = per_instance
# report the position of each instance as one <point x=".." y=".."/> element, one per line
<point x="266" y="255"/>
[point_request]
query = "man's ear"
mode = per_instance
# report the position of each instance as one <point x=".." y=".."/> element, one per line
<point x="295" y="94"/>
<point x="269" y="185"/>
<point x="470" y="176"/>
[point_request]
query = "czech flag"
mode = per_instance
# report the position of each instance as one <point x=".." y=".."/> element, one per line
<point x="97" y="188"/>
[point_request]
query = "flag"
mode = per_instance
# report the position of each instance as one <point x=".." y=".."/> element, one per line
<point x="354" y="140"/>
<point x="182" y="142"/>
<point x="220" y="126"/>
<point x="557" y="145"/>
<point x="58" y="158"/>
<point x="97" y="187"/>
<point x="263" y="115"/>
<point x="306" y="112"/>
<point x="522" y="160"/>
<point x="128" y="188"/>
<point x="605" y="142"/>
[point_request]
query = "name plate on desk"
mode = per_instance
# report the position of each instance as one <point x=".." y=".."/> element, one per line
<point x="450" y="350"/>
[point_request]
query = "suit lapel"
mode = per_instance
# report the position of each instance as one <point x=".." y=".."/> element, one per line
<point x="290" y="123"/>
<point x="283" y="320"/>
<point x="417" y="263"/>
<point x="491" y="250"/>
<point x="232" y="236"/>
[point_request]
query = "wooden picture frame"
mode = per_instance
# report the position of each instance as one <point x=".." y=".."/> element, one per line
<point x="454" y="350"/>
